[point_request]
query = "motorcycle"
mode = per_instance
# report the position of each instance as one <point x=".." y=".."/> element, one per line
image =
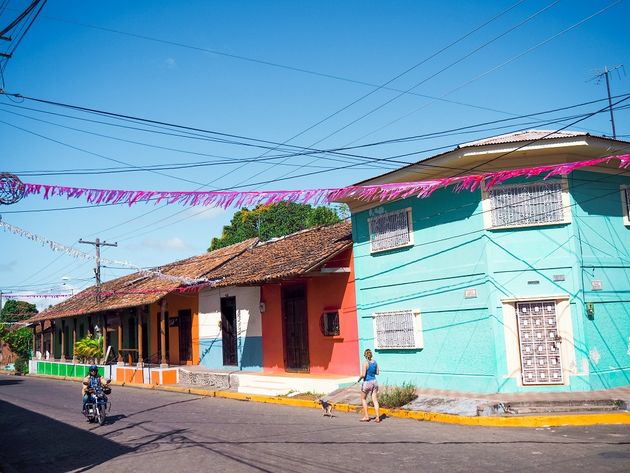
<point x="98" y="405"/>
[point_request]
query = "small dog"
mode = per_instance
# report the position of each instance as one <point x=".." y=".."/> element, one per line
<point x="327" y="407"/>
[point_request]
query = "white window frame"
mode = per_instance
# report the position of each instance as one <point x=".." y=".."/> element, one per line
<point x="409" y="230"/>
<point x="625" y="194"/>
<point x="487" y="206"/>
<point x="564" y="329"/>
<point x="418" y="338"/>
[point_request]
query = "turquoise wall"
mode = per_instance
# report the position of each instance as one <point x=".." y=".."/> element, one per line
<point x="464" y="339"/>
<point x="448" y="256"/>
<point x="604" y="248"/>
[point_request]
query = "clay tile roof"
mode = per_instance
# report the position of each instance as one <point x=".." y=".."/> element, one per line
<point x="139" y="289"/>
<point x="287" y="257"/>
<point x="527" y="135"/>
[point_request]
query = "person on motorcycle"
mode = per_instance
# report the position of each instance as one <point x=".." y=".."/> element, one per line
<point x="90" y="382"/>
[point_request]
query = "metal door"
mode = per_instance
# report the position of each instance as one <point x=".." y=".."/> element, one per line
<point x="295" y="328"/>
<point x="539" y="342"/>
<point x="229" y="331"/>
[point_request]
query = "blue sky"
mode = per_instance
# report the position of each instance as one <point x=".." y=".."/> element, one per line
<point x="268" y="70"/>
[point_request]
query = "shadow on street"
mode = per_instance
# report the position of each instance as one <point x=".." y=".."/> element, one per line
<point x="39" y="443"/>
<point x="8" y="382"/>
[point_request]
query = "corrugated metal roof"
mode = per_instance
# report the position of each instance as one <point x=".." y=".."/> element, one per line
<point x="527" y="135"/>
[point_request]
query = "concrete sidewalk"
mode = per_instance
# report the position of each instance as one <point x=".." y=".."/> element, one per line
<point x="436" y="412"/>
<point x="468" y="403"/>
<point x="493" y="404"/>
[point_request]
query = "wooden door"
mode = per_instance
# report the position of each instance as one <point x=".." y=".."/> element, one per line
<point x="229" y="331"/>
<point x="295" y="328"/>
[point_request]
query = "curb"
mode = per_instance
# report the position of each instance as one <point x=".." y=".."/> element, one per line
<point x="524" y="421"/>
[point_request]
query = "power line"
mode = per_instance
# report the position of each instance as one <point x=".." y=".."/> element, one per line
<point x="225" y="159"/>
<point x="395" y="97"/>
<point x="20" y="26"/>
<point x="228" y="161"/>
<point x="265" y="144"/>
<point x="504" y="63"/>
<point x="167" y="218"/>
<point x="95" y="205"/>
<point x="545" y="136"/>
<point x="276" y="64"/>
<point x="334" y="150"/>
<point x="575" y="25"/>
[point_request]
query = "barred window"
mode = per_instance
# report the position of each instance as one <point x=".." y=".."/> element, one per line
<point x="526" y="204"/>
<point x="330" y="323"/>
<point x="397" y="329"/>
<point x="390" y="230"/>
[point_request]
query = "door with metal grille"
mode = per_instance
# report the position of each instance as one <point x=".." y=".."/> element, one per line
<point x="539" y="342"/>
<point x="295" y="328"/>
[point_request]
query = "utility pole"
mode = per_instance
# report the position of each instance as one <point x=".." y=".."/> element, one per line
<point x="605" y="73"/>
<point x="97" y="270"/>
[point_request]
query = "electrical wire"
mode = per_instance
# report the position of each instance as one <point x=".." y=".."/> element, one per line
<point x="403" y="139"/>
<point x="275" y="64"/>
<point x="575" y="25"/>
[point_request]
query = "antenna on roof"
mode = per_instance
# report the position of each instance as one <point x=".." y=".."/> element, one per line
<point x="603" y="74"/>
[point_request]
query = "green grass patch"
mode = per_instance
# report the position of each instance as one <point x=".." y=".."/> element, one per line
<point x="397" y="396"/>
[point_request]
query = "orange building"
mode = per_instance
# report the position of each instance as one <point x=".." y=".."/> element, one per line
<point x="286" y="305"/>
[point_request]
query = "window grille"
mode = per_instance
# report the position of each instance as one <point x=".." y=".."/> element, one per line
<point x="526" y="204"/>
<point x="626" y="196"/>
<point x="390" y="230"/>
<point x="397" y="329"/>
<point x="330" y="323"/>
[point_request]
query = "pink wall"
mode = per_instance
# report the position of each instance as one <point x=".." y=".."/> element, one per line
<point x="328" y="355"/>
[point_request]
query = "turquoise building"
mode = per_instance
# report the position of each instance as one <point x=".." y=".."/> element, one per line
<point x="523" y="287"/>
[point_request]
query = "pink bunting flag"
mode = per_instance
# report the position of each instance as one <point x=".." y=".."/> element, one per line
<point x="377" y="192"/>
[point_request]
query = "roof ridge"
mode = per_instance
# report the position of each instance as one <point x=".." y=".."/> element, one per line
<point x="550" y="133"/>
<point x="305" y="230"/>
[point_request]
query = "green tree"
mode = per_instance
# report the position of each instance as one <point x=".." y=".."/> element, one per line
<point x="14" y="311"/>
<point x="272" y="221"/>
<point x="19" y="340"/>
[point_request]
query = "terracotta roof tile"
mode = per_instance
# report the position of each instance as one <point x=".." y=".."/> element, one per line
<point x="287" y="257"/>
<point x="130" y="288"/>
<point x="245" y="263"/>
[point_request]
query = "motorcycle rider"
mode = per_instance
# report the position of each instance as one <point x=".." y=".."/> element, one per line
<point x="90" y="382"/>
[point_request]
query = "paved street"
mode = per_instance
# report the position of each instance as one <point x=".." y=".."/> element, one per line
<point x="41" y="429"/>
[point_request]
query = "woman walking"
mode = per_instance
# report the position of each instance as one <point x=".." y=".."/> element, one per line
<point x="369" y="386"/>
